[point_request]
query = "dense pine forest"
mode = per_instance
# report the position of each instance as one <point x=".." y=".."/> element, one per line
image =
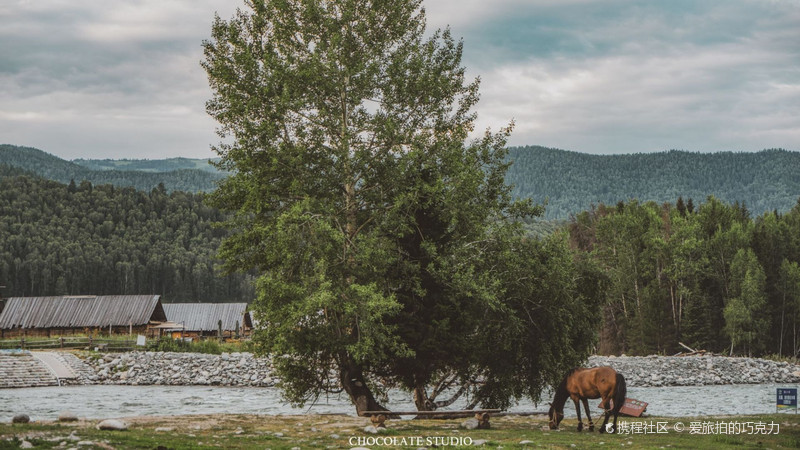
<point x="708" y="275"/>
<point x="80" y="238"/>
<point x="571" y="182"/>
<point x="172" y="174"/>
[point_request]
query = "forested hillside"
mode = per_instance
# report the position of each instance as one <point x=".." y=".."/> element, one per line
<point x="709" y="276"/>
<point x="572" y="181"/>
<point x="83" y="239"/>
<point x="54" y="168"/>
<point x="147" y="165"/>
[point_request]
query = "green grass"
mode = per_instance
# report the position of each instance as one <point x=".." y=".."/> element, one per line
<point x="125" y="342"/>
<point x="334" y="431"/>
<point x="210" y="346"/>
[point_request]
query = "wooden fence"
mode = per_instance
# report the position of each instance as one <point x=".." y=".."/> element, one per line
<point x="88" y="343"/>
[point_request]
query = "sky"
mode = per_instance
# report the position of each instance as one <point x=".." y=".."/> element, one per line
<point x="122" y="78"/>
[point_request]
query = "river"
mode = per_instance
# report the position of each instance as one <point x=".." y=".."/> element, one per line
<point x="106" y="401"/>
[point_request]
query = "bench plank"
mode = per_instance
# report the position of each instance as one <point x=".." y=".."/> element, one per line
<point x="432" y="413"/>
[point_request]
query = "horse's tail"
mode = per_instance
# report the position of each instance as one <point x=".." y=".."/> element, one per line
<point x="621" y="392"/>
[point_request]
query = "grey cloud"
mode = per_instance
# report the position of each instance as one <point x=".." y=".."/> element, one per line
<point x="701" y="76"/>
<point x="82" y="78"/>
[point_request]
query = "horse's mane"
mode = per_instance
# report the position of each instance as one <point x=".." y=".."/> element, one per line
<point x="561" y="391"/>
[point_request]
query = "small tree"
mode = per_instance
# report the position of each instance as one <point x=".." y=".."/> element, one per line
<point x="745" y="321"/>
<point x="789" y="289"/>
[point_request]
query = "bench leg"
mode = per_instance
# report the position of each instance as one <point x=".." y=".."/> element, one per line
<point x="378" y="420"/>
<point x="483" y="420"/>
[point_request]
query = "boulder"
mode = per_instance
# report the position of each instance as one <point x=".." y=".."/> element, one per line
<point x="471" y="424"/>
<point x="67" y="416"/>
<point x="112" y="424"/>
<point x="21" y="418"/>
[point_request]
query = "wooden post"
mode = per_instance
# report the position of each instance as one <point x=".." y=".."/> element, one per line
<point x="219" y="330"/>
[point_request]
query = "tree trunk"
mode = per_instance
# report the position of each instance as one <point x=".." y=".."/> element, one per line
<point x="421" y="400"/>
<point x="353" y="382"/>
<point x="783" y="310"/>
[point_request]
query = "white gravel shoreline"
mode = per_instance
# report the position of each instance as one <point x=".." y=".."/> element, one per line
<point x="654" y="371"/>
<point x="243" y="369"/>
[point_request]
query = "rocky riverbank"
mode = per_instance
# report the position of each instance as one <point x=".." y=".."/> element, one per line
<point x="168" y="368"/>
<point x="244" y="369"/>
<point x="654" y="371"/>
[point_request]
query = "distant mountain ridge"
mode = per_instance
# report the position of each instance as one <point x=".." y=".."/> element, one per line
<point x="175" y="175"/>
<point x="569" y="181"/>
<point x="148" y="165"/>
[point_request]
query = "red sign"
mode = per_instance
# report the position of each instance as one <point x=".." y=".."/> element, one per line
<point x="632" y="407"/>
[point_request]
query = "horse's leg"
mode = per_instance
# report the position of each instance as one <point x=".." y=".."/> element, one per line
<point x="588" y="416"/>
<point x="607" y="407"/>
<point x="578" y="409"/>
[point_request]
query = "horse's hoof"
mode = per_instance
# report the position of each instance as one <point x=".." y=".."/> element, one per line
<point x="591" y="427"/>
<point x="580" y="427"/>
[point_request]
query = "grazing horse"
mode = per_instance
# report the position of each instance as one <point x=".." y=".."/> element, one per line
<point x="582" y="384"/>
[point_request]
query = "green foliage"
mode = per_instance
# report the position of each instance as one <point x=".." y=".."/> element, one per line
<point x="571" y="182"/>
<point x="744" y="313"/>
<point x="712" y="278"/>
<point x="183" y="175"/>
<point x="381" y="239"/>
<point x="57" y="240"/>
<point x="148" y="165"/>
<point x="209" y="346"/>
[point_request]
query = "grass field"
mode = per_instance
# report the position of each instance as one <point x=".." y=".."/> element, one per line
<point x="340" y="431"/>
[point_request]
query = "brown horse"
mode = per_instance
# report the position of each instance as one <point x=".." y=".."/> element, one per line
<point x="582" y="384"/>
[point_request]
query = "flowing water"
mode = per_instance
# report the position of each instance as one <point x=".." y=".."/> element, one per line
<point x="102" y="401"/>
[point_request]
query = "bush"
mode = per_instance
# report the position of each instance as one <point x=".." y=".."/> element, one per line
<point x="209" y="346"/>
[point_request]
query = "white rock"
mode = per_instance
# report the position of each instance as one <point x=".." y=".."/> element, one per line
<point x="470" y="424"/>
<point x="112" y="424"/>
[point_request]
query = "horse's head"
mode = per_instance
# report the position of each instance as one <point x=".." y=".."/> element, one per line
<point x="555" y="417"/>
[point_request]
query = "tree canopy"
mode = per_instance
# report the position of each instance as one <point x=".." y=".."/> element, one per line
<point x="383" y="240"/>
<point x="712" y="277"/>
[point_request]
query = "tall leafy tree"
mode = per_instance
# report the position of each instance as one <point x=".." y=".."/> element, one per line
<point x="372" y="223"/>
<point x="789" y="290"/>
<point x="745" y="321"/>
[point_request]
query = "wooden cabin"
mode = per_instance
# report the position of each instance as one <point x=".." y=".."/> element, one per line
<point x="79" y="314"/>
<point x="198" y="320"/>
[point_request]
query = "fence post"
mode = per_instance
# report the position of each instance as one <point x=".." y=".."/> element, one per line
<point x="61" y="339"/>
<point x="22" y="343"/>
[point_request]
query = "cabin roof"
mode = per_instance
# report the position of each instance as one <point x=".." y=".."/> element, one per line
<point x="206" y="316"/>
<point x="76" y="311"/>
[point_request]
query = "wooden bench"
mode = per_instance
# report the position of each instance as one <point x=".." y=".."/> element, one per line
<point x="481" y="415"/>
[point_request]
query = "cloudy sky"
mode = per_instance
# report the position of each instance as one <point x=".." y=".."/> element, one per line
<point x="122" y="79"/>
